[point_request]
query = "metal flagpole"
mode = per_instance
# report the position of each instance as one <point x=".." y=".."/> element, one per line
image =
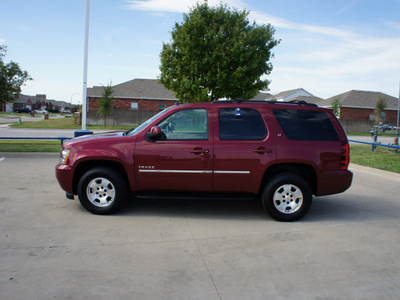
<point x="398" y="114"/>
<point x="398" y="108"/>
<point x="85" y="64"/>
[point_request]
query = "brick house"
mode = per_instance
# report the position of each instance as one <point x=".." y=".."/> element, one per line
<point x="360" y="105"/>
<point x="136" y="94"/>
<point x="39" y="101"/>
<point x="141" y="94"/>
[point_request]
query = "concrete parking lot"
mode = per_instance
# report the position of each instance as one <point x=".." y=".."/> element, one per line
<point x="347" y="247"/>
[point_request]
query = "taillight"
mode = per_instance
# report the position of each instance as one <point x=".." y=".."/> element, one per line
<point x="344" y="156"/>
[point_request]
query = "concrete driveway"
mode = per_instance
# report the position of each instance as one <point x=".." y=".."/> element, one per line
<point x="347" y="247"/>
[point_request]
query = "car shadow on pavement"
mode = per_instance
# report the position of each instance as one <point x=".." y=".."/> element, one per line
<point x="352" y="208"/>
<point x="194" y="208"/>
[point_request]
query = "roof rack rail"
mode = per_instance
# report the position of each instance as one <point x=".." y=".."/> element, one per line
<point x="239" y="100"/>
<point x="302" y="102"/>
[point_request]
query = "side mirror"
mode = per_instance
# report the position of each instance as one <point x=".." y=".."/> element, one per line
<point x="155" y="134"/>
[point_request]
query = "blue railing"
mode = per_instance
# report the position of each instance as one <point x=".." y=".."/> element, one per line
<point x="61" y="138"/>
<point x="374" y="145"/>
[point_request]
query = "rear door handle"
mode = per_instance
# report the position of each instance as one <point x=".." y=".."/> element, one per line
<point x="262" y="150"/>
<point x="198" y="151"/>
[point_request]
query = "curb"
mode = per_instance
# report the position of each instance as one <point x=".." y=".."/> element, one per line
<point x="29" y="154"/>
<point x="373" y="171"/>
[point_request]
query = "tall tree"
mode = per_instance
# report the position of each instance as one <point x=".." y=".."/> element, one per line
<point x="106" y="102"/>
<point x="380" y="106"/>
<point x="216" y="53"/>
<point x="336" y="105"/>
<point x="11" y="78"/>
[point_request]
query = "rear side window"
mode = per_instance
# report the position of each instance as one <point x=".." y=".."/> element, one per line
<point x="306" y="125"/>
<point x="241" y="124"/>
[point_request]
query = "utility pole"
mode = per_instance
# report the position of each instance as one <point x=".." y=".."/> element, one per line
<point x="85" y="66"/>
<point x="398" y="114"/>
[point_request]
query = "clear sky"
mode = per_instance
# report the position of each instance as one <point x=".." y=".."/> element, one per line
<point x="328" y="47"/>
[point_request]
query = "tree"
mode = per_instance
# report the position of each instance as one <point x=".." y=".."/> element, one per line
<point x="380" y="106"/>
<point x="216" y="53"/>
<point x="11" y="78"/>
<point x="336" y="105"/>
<point x="106" y="102"/>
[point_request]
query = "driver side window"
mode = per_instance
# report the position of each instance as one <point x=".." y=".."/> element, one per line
<point x="188" y="124"/>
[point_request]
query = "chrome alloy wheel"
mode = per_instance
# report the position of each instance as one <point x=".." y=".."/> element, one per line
<point x="100" y="192"/>
<point x="288" y="199"/>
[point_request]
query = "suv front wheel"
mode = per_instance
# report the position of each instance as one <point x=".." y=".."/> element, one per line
<point x="287" y="197"/>
<point x="101" y="190"/>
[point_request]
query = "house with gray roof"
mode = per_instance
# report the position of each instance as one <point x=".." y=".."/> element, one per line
<point x="38" y="101"/>
<point x="136" y="94"/>
<point x="291" y="95"/>
<point x="360" y="105"/>
<point x="308" y="99"/>
<point x="262" y="96"/>
<point x="141" y="94"/>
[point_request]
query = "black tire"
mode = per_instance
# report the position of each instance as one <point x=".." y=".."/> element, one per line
<point x="102" y="190"/>
<point x="287" y="197"/>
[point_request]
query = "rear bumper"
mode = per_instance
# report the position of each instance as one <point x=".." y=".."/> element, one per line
<point x="65" y="176"/>
<point x="334" y="182"/>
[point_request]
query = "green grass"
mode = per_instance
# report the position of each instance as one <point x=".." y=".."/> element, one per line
<point x="8" y="115"/>
<point x="29" y="146"/>
<point x="64" y="123"/>
<point x="382" y="158"/>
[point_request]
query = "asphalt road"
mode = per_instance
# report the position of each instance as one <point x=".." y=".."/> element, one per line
<point x="347" y="247"/>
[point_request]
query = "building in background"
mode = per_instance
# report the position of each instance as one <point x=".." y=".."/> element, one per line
<point x="360" y="105"/>
<point x="39" y="101"/>
<point x="136" y="94"/>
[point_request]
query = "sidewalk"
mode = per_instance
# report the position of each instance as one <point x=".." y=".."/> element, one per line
<point x="373" y="171"/>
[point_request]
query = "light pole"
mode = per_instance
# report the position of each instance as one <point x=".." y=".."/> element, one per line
<point x="398" y="113"/>
<point x="85" y="65"/>
<point x="70" y="99"/>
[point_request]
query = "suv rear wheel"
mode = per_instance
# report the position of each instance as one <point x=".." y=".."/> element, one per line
<point x="287" y="197"/>
<point x="101" y="190"/>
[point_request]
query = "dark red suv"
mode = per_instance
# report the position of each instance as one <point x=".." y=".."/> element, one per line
<point x="282" y="153"/>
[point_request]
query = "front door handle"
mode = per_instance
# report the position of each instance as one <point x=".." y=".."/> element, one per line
<point x="262" y="150"/>
<point x="198" y="151"/>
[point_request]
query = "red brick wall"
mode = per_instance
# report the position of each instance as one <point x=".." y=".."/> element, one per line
<point x="350" y="113"/>
<point x="125" y="104"/>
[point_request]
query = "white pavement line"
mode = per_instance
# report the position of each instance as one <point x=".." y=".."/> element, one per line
<point x="2" y="158"/>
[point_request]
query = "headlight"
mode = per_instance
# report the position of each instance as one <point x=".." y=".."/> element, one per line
<point x="64" y="156"/>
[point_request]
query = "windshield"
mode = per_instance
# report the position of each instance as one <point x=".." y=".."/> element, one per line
<point x="139" y="128"/>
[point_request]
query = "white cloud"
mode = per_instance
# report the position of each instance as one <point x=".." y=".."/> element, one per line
<point x="348" y="6"/>
<point x="330" y="60"/>
<point x="175" y="6"/>
<point x="323" y="59"/>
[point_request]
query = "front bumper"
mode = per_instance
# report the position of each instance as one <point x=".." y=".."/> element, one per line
<point x="65" y="177"/>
